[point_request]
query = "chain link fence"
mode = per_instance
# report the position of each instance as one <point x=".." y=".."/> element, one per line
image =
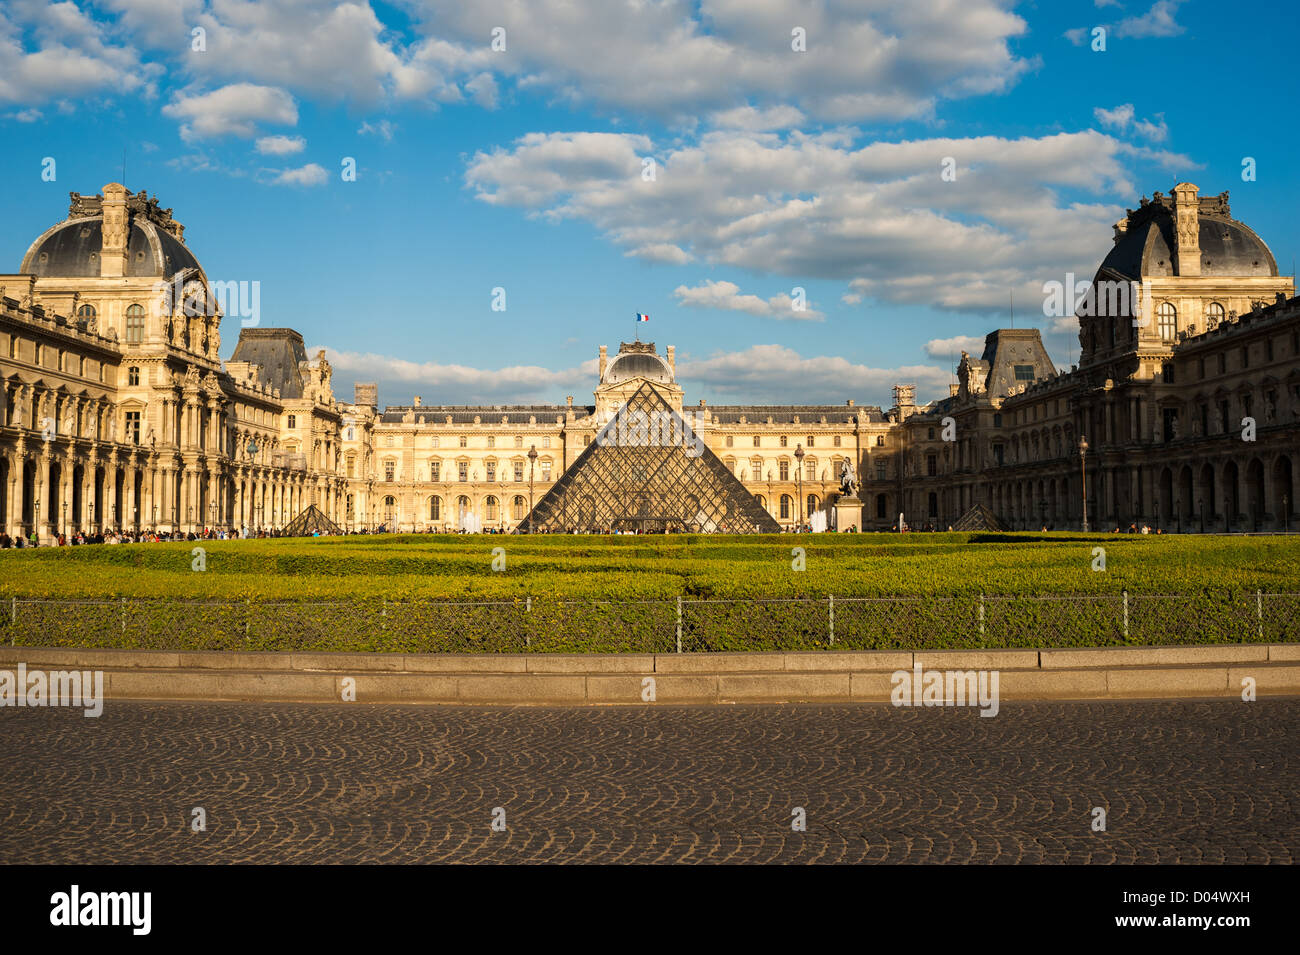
<point x="656" y="626"/>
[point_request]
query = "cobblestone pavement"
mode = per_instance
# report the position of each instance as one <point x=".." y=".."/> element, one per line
<point x="1201" y="782"/>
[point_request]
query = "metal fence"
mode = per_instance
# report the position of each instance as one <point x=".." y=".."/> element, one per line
<point x="656" y="626"/>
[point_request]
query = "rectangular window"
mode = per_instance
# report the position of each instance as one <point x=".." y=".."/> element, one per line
<point x="464" y="441"/>
<point x="546" y="441"/>
<point x="1245" y="356"/>
<point x="837" y="441"/>
<point x="389" y="470"/>
<point x="785" y="442"/>
<point x="784" y="469"/>
<point x="880" y="440"/>
<point x="931" y="465"/>
<point x="435" y="470"/>
<point x="462" y="470"/>
<point x="352" y="466"/>
<point x="812" y="440"/>
<point x="435" y="442"/>
<point x="546" y="470"/>
<point x="388" y="440"/>
<point x="133" y="427"/>
<point x="1223" y="363"/>
<point x="519" y="470"/>
<point x="1223" y="415"/>
<point x="492" y="441"/>
<point x="730" y="441"/>
<point x="491" y="470"/>
<point x="756" y="440"/>
<point x="1205" y="419"/>
<point x="882" y="470"/>
<point x="998" y="452"/>
<point x="1024" y="372"/>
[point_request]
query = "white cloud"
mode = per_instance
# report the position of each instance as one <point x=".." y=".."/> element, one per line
<point x="681" y="59"/>
<point x="54" y="50"/>
<point x="281" y="145"/>
<point x="1158" y="21"/>
<point x="947" y="347"/>
<point x="877" y="217"/>
<point x="25" y="115"/>
<point x="383" y="129"/>
<point x="726" y="296"/>
<point x="308" y="175"/>
<point x="748" y="117"/>
<point x="770" y="374"/>
<point x="780" y="375"/>
<point x="459" y="384"/>
<point x="1121" y="119"/>
<point x="1118" y="118"/>
<point x="233" y="110"/>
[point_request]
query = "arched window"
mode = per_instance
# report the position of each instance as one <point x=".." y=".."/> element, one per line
<point x="462" y="506"/>
<point x="881" y="504"/>
<point x="1214" y="314"/>
<point x="1167" y="321"/>
<point x="86" y="312"/>
<point x="490" y="509"/>
<point x="785" y="506"/>
<point x="813" y="504"/>
<point x="390" y="509"/>
<point x="934" y="504"/>
<point x="520" y="506"/>
<point x="435" y="508"/>
<point x="134" y="324"/>
<point x="762" y="501"/>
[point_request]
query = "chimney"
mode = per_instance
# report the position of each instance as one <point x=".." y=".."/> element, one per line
<point x="672" y="360"/>
<point x="1187" y="229"/>
<point x="849" y="403"/>
<point x="603" y="360"/>
<point x="112" y="256"/>
<point x="366" y="394"/>
<point x="417" y="401"/>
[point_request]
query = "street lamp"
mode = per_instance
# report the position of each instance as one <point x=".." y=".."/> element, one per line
<point x="798" y="480"/>
<point x="214" y="514"/>
<point x="532" y="461"/>
<point x="64" y="525"/>
<point x="36" y="519"/>
<point x="1083" y="470"/>
<point x="1042" y="512"/>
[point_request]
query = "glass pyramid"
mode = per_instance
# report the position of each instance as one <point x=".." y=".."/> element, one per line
<point x="647" y="471"/>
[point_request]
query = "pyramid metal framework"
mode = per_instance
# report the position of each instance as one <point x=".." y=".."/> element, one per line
<point x="647" y="472"/>
<point x="979" y="518"/>
<point x="309" y="522"/>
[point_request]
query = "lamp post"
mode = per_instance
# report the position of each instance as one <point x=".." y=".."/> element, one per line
<point x="532" y="460"/>
<point x="189" y="520"/>
<point x="214" y="515"/>
<point x="1083" y="471"/>
<point x="1042" y="512"/>
<point x="64" y="524"/>
<point x="36" y="520"/>
<point x="798" y="481"/>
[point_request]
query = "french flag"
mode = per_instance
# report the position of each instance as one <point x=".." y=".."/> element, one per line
<point x="641" y="317"/>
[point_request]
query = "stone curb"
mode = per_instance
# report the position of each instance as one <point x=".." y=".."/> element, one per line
<point x="565" y="679"/>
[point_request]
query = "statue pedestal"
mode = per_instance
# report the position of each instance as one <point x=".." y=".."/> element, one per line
<point x="848" y="514"/>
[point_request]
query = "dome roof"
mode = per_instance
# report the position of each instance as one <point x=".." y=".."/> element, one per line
<point x="629" y="365"/>
<point x="1228" y="247"/>
<point x="73" y="248"/>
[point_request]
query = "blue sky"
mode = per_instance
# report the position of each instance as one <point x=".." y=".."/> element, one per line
<point x="523" y="169"/>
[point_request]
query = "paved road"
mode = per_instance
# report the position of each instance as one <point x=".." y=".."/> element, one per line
<point x="1182" y="782"/>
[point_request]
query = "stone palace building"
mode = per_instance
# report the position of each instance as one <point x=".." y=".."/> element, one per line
<point x="117" y="412"/>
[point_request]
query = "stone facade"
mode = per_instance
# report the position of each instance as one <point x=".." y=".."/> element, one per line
<point x="117" y="412"/>
<point x="1187" y="395"/>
